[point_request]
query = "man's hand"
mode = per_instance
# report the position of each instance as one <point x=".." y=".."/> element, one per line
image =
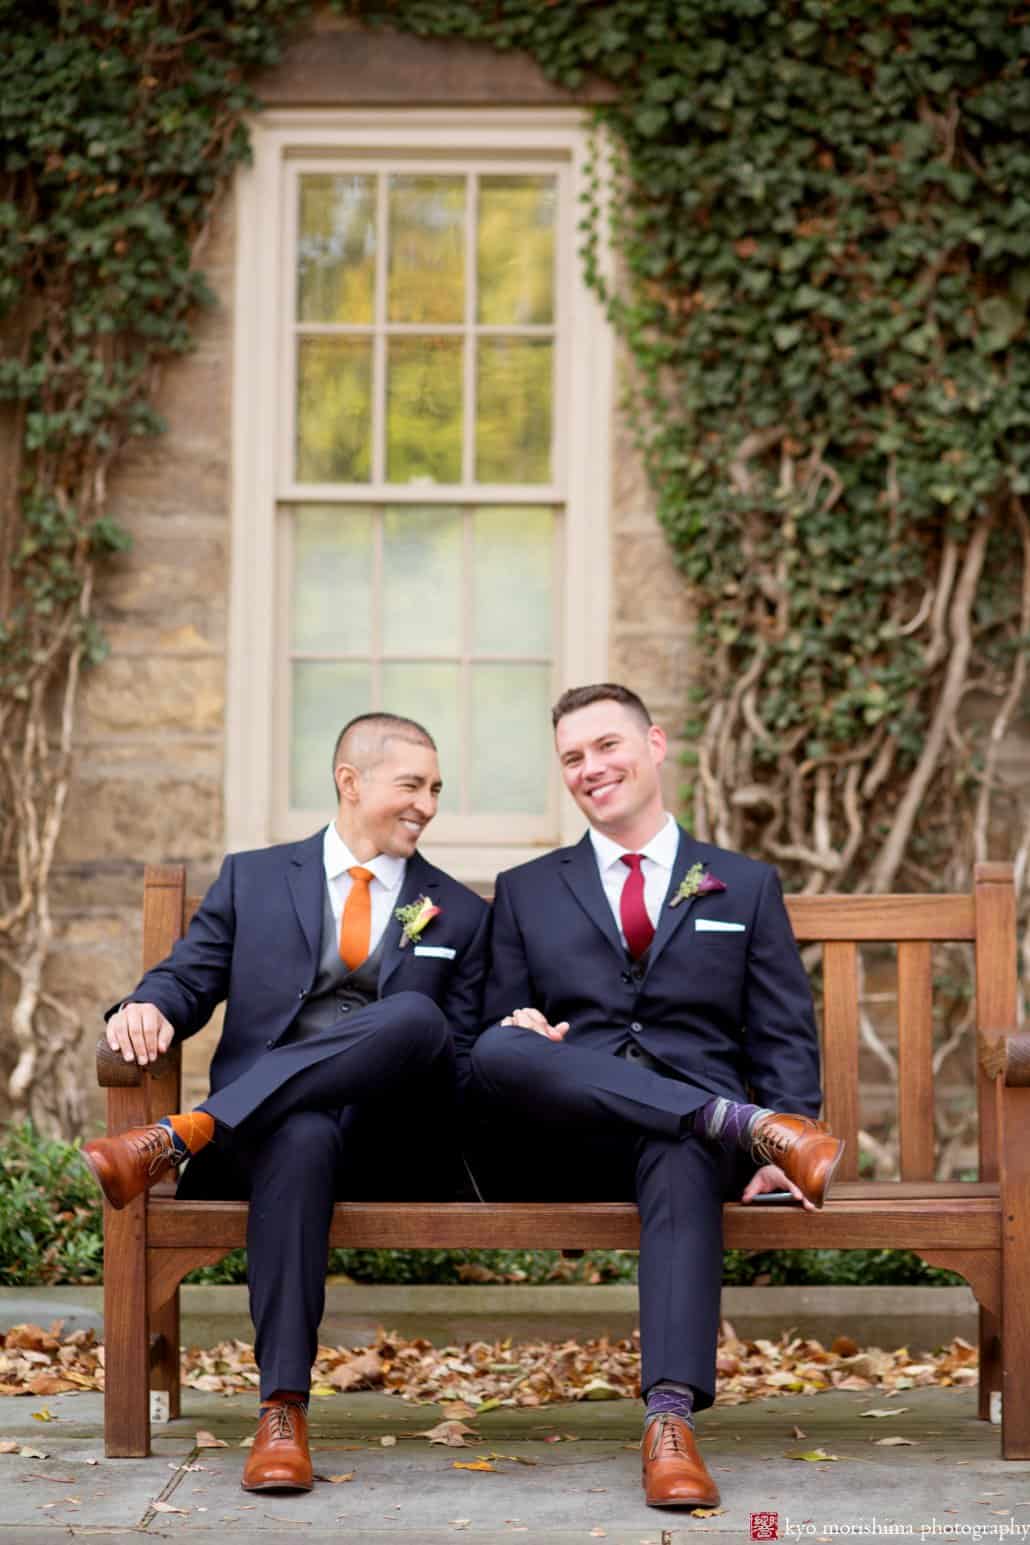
<point x="771" y="1178"/>
<point x="140" y="1032"/>
<point x="532" y="1019"/>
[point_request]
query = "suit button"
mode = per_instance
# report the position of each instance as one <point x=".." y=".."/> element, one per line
<point x="344" y="1008"/>
<point x="302" y="993"/>
<point x="269" y="1044"/>
<point x="636" y="1027"/>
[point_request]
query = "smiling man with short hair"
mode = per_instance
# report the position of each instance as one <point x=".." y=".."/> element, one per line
<point x="352" y="972"/>
<point x="650" y="1020"/>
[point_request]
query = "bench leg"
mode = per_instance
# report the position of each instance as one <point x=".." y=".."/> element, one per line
<point x="990" y="1362"/>
<point x="1015" y="1252"/>
<point x="164" y="1371"/>
<point x="126" y="1340"/>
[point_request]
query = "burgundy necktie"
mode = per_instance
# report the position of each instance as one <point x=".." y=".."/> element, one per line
<point x="636" y="925"/>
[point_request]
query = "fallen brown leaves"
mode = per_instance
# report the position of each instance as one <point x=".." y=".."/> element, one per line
<point x="483" y="1375"/>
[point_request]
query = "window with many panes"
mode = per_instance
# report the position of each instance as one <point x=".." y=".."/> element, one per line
<point x="426" y="322"/>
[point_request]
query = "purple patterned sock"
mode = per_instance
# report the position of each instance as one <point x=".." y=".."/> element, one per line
<point x="729" y="1122"/>
<point x="667" y="1398"/>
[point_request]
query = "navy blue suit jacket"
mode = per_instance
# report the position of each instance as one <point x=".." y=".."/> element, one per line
<point x="255" y="941"/>
<point x="730" y="1010"/>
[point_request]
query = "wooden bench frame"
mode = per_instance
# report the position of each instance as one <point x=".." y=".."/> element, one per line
<point x="980" y="1229"/>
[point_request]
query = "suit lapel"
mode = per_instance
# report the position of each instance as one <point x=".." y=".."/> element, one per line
<point x="305" y="876"/>
<point x="420" y="879"/>
<point x="580" y="873"/>
<point x="670" y="918"/>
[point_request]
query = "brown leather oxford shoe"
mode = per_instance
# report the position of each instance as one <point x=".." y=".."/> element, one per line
<point x="280" y="1459"/>
<point x="125" y="1166"/>
<point x="805" y="1150"/>
<point x="674" y="1473"/>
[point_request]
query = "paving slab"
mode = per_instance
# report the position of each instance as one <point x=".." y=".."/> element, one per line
<point x="948" y="1481"/>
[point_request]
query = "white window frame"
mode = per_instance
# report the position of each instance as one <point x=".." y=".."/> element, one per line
<point x="262" y="432"/>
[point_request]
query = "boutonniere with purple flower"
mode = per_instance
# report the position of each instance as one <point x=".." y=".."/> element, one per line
<point x="415" y="918"/>
<point x="697" y="882"/>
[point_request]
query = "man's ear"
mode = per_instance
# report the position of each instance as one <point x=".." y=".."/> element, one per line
<point x="346" y="778"/>
<point x="658" y="743"/>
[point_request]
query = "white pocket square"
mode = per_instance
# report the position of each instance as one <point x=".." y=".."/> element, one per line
<point x="709" y="925"/>
<point x="438" y="951"/>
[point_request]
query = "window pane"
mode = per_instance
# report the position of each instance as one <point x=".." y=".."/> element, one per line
<point x="336" y="248"/>
<point x="422" y="581"/>
<point x="331" y="610"/>
<point x="515" y="244"/>
<point x="429" y="695"/>
<point x="334" y="410"/>
<point x="512" y="581"/>
<point x="423" y="410"/>
<point x="511" y="738"/>
<point x="325" y="695"/>
<point x="427" y="249"/>
<point x="513" y="412"/>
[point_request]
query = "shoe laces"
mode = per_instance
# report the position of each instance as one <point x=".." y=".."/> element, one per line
<point x="667" y="1436"/>
<point x="281" y="1420"/>
<point x="158" y="1149"/>
<point x="771" y="1143"/>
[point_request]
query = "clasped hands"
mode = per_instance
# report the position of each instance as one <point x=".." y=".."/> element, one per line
<point x="769" y="1178"/>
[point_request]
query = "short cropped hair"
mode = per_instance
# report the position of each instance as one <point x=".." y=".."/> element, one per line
<point x="384" y="726"/>
<point x="603" y="692"/>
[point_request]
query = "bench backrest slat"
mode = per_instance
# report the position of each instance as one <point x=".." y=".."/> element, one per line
<point x="840" y="1048"/>
<point x="915" y="1060"/>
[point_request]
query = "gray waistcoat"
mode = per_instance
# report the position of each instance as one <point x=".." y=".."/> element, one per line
<point x="336" y="990"/>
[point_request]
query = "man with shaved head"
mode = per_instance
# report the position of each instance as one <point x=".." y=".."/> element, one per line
<point x="352" y="974"/>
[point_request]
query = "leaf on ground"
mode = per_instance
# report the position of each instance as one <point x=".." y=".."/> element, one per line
<point x="45" y="1415"/>
<point x="388" y="1441"/>
<point x="813" y="1454"/>
<point x="472" y="1464"/>
<point x="31" y="1453"/>
<point x="339" y="1480"/>
<point x="205" y="1439"/>
<point x="886" y="1411"/>
<point x="707" y="1512"/>
<point x="599" y="1389"/>
<point x="895" y="1442"/>
<point x="167" y="1507"/>
<point x="798" y="1432"/>
<point x="452" y="1433"/>
<point x="9" y="1448"/>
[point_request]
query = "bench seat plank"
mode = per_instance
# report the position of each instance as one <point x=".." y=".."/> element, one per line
<point x="865" y="1221"/>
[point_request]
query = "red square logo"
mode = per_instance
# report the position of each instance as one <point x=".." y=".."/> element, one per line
<point x="764" y="1526"/>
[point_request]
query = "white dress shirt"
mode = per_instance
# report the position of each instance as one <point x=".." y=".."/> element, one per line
<point x="383" y="890"/>
<point x="659" y="856"/>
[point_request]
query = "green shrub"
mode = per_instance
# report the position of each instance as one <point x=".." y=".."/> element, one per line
<point x="51" y="1222"/>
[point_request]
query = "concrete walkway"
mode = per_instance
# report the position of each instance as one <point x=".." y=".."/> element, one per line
<point x="950" y="1482"/>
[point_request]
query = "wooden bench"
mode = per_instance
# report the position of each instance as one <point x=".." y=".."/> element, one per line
<point x="980" y="1229"/>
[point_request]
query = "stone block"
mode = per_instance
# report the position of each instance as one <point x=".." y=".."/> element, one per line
<point x="155" y="819"/>
<point x="152" y="693"/>
<point x="632" y="493"/>
<point x="658" y="667"/>
<point x="649" y="589"/>
<point x="175" y="575"/>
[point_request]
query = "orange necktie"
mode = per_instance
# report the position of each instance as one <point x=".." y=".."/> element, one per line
<point x="356" y="922"/>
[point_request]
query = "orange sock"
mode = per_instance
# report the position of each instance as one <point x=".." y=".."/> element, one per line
<point x="196" y="1129"/>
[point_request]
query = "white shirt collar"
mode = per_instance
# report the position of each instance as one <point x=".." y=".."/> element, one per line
<point x="338" y="858"/>
<point x="661" y="849"/>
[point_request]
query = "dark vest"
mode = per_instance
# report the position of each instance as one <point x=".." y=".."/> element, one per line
<point x="336" y="990"/>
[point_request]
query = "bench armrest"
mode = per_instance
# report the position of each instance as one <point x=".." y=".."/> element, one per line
<point x="1007" y="1057"/>
<point x="113" y="1072"/>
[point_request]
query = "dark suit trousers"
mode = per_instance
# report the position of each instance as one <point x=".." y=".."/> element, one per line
<point x="353" y="1113"/>
<point x="569" y="1124"/>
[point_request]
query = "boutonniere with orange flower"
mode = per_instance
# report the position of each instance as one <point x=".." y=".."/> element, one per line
<point x="415" y="918"/>
<point x="697" y="882"/>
